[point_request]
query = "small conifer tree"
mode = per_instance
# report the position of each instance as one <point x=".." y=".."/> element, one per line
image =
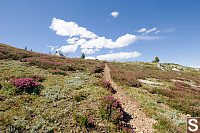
<point x="83" y="56"/>
<point x="156" y="59"/>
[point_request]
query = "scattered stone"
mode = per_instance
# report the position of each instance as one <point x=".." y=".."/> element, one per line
<point x="175" y="69"/>
<point x="159" y="65"/>
<point x="188" y="115"/>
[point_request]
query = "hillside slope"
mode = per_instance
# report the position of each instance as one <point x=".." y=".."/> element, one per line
<point x="47" y="93"/>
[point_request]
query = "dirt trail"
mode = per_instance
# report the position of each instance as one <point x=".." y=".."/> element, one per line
<point x="135" y="117"/>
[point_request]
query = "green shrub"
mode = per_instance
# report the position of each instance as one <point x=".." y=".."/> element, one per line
<point x="80" y="96"/>
<point x="84" y="120"/>
<point x="111" y="109"/>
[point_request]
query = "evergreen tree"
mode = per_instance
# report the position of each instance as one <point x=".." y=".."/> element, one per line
<point x="25" y="48"/>
<point x="83" y="56"/>
<point x="156" y="59"/>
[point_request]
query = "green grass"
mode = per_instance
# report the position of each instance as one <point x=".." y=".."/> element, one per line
<point x="52" y="110"/>
<point x="152" y="97"/>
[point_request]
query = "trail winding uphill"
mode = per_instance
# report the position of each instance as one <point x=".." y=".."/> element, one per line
<point x="135" y="117"/>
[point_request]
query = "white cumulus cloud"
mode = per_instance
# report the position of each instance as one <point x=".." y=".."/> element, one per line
<point x="119" y="56"/>
<point x="72" y="40"/>
<point x="101" y="42"/>
<point x="90" y="57"/>
<point x="114" y="14"/>
<point x="71" y="29"/>
<point x="89" y="51"/>
<point x="87" y="40"/>
<point x="69" y="48"/>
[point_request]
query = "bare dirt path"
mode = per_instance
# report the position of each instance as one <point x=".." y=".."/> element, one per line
<point x="135" y="117"/>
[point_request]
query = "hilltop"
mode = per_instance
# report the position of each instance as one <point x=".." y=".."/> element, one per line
<point x="47" y="93"/>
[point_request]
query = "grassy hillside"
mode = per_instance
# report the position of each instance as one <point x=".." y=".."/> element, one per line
<point x="167" y="94"/>
<point x="64" y="99"/>
<point x="46" y="93"/>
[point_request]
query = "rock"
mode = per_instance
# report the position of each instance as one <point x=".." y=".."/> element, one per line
<point x="159" y="65"/>
<point x="188" y="115"/>
<point x="175" y="69"/>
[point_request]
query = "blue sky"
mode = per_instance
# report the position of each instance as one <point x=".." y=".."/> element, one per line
<point x="138" y="30"/>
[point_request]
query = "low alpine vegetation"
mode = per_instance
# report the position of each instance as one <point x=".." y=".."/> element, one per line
<point x="80" y="96"/>
<point x="85" y="120"/>
<point x="25" y="85"/>
<point x="111" y="109"/>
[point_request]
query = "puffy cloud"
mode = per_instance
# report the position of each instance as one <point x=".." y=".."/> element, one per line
<point x="142" y="30"/>
<point x="98" y="42"/>
<point x="119" y="56"/>
<point x="69" y="48"/>
<point x="87" y="40"/>
<point x="89" y="51"/>
<point x="72" y="40"/>
<point x="125" y="40"/>
<point x="90" y="57"/>
<point x="81" y="41"/>
<point x="114" y="14"/>
<point x="101" y="42"/>
<point x="71" y="29"/>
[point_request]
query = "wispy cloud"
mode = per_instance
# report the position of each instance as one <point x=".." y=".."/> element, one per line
<point x="145" y="31"/>
<point x="142" y="30"/>
<point x="53" y="48"/>
<point x="114" y="14"/>
<point x="119" y="56"/>
<point x="142" y="37"/>
<point x="168" y="30"/>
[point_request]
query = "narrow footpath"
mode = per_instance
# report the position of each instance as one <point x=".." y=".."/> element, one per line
<point x="134" y="117"/>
